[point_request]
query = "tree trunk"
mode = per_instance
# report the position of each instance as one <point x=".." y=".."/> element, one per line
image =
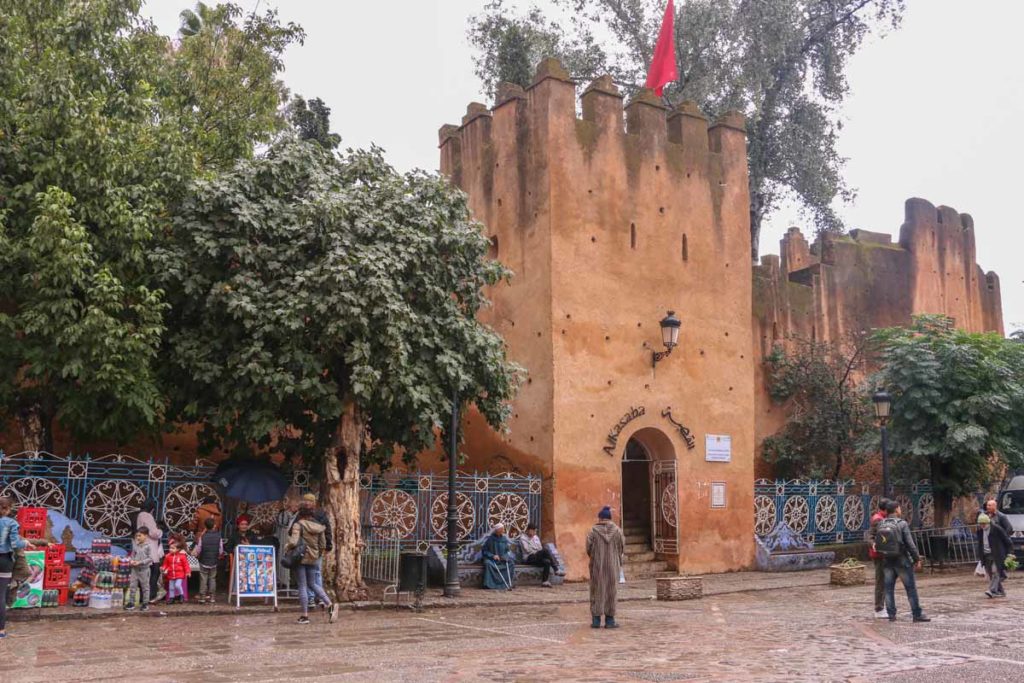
<point x="839" y="467"/>
<point x="340" y="494"/>
<point x="757" y="202"/>
<point x="35" y="426"/>
<point x="943" y="501"/>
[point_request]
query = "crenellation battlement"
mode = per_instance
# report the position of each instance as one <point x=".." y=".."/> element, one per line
<point x="474" y="111"/>
<point x="641" y="130"/>
<point x="865" y="275"/>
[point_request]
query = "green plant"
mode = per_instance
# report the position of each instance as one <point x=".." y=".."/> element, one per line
<point x="828" y="414"/>
<point x="325" y="306"/>
<point x="957" y="402"/>
<point x="1011" y="563"/>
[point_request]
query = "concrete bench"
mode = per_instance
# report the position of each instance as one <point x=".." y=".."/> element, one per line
<point x="471" y="569"/>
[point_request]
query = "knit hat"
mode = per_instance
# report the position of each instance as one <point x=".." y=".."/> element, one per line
<point x="243" y="518"/>
<point x="309" y="497"/>
<point x="605" y="513"/>
<point x="983" y="518"/>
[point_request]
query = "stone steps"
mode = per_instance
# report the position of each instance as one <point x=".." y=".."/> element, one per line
<point x="637" y="538"/>
<point x="639" y="556"/>
<point x="637" y="547"/>
<point x="643" y="570"/>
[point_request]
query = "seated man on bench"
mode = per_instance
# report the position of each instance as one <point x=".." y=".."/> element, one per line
<point x="499" y="566"/>
<point x="534" y="553"/>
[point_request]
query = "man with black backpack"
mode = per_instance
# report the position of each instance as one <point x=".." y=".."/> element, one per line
<point x="894" y="542"/>
<point x="877" y="559"/>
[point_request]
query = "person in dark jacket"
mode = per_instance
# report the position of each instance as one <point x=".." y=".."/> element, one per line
<point x="878" y="559"/>
<point x="902" y="566"/>
<point x="998" y="519"/>
<point x="208" y="551"/>
<point x="244" y="534"/>
<point x="994" y="545"/>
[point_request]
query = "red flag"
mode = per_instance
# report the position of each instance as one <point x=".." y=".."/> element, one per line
<point x="663" y="66"/>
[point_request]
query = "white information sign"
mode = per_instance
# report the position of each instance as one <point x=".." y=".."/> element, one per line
<point x="718" y="494"/>
<point x="717" y="448"/>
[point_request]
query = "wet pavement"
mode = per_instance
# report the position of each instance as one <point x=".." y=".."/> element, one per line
<point x="805" y="632"/>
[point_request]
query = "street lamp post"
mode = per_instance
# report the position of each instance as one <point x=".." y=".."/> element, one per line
<point x="883" y="406"/>
<point x="451" y="579"/>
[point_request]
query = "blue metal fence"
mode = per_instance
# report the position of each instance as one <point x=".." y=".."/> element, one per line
<point x="824" y="511"/>
<point x="414" y="505"/>
<point x="102" y="493"/>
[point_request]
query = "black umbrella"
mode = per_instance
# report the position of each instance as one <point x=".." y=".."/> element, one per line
<point x="253" y="481"/>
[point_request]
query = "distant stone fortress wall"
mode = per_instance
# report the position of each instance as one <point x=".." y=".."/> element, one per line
<point x="863" y="280"/>
<point x="844" y="285"/>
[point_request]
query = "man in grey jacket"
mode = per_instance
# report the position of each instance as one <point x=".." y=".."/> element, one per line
<point x="902" y="566"/>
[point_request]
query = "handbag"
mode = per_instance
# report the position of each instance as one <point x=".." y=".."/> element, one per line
<point x="21" y="571"/>
<point x="291" y="559"/>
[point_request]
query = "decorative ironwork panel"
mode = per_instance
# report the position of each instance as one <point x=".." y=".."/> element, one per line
<point x="664" y="507"/>
<point x="823" y="511"/>
<point x="102" y="493"/>
<point x="413" y="506"/>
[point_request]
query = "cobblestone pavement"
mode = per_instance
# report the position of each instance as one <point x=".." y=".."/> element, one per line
<point x="805" y="633"/>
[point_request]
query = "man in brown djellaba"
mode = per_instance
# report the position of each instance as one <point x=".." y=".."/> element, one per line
<point x="605" y="545"/>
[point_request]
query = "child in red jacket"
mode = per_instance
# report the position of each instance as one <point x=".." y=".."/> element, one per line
<point x="176" y="569"/>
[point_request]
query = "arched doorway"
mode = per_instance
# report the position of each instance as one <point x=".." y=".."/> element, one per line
<point x="636" y="490"/>
<point x="649" y="495"/>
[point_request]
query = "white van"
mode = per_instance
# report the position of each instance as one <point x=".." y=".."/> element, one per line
<point x="1011" y="504"/>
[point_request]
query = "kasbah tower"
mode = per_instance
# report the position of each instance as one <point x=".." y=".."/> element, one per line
<point x="608" y="225"/>
<point x="611" y="220"/>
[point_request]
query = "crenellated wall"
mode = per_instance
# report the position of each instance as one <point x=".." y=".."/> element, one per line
<point x="609" y="221"/>
<point x="863" y="280"/>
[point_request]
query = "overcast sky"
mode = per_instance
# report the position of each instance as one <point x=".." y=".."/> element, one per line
<point x="935" y="108"/>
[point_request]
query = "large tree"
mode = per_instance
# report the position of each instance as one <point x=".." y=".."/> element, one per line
<point x="325" y="306"/>
<point x="821" y="384"/>
<point x="226" y="83"/>
<point x="780" y="62"/>
<point x="101" y="130"/>
<point x="958" y="398"/>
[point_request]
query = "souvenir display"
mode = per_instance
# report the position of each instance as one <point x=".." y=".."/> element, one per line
<point x="30" y="592"/>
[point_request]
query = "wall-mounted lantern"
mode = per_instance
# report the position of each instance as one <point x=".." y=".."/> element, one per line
<point x="670" y="325"/>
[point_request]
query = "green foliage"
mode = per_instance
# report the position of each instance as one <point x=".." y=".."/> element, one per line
<point x="312" y="121"/>
<point x="780" y="62"/>
<point x="958" y="398"/>
<point x="88" y="165"/>
<point x="224" y="84"/>
<point x="97" y="143"/>
<point x="829" y="412"/>
<point x="301" y="279"/>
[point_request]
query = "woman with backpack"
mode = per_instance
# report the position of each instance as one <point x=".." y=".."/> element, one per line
<point x="307" y="542"/>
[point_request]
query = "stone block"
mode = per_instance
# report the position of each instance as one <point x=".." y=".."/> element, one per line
<point x="680" y="588"/>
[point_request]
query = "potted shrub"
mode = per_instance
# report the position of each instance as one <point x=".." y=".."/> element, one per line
<point x="849" y="572"/>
